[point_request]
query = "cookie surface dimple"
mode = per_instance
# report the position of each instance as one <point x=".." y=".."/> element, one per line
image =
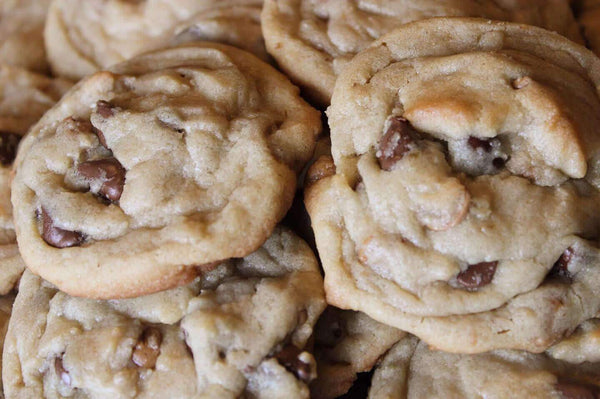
<point x="182" y="157"/>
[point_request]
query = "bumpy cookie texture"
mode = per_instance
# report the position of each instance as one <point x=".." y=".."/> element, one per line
<point x="143" y="176"/>
<point x="589" y="18"/>
<point x="582" y="346"/>
<point x="347" y="343"/>
<point x="83" y="37"/>
<point x="412" y="370"/>
<point x="22" y="33"/>
<point x="238" y="331"/>
<point x="455" y="217"/>
<point x="313" y="40"/>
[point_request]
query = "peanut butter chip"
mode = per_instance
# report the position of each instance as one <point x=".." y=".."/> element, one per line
<point x="398" y="139"/>
<point x="109" y="172"/>
<point x="147" y="349"/>
<point x="61" y="372"/>
<point x="8" y="147"/>
<point x="57" y="237"/>
<point x="477" y="275"/>
<point x="290" y="357"/>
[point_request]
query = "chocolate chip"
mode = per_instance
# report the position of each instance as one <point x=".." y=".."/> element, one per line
<point x="61" y="372"/>
<point x="109" y="172"/>
<point x="9" y="142"/>
<point x="147" y="348"/>
<point x="290" y="357"/>
<point x="561" y="266"/>
<point x="105" y="109"/>
<point x="57" y="237"/>
<point x="574" y="390"/>
<point x="100" y="136"/>
<point x="399" y="139"/>
<point x="477" y="275"/>
<point x="475" y="143"/>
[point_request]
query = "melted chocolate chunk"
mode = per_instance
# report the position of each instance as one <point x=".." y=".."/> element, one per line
<point x="399" y="139"/>
<point x="105" y="109"/>
<point x="100" y="136"/>
<point x="575" y="390"/>
<point x="9" y="142"/>
<point x="289" y="357"/>
<point x="57" y="237"/>
<point x="147" y="349"/>
<point x="110" y="172"/>
<point x="561" y="266"/>
<point x="477" y="275"/>
<point x="61" y="372"/>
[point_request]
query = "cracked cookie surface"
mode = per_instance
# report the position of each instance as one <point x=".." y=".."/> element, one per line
<point x="146" y="175"/>
<point x="237" y="331"/>
<point x="84" y="37"/>
<point x="313" y="40"/>
<point x="451" y="216"/>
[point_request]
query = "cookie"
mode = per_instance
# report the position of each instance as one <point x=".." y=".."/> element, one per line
<point x="589" y="19"/>
<point x="412" y="370"/>
<point x="150" y="173"/>
<point x="237" y="331"/>
<point x="6" y="302"/>
<point x="84" y="37"/>
<point x="453" y="215"/>
<point x="582" y="346"/>
<point x="313" y="40"/>
<point x="347" y="343"/>
<point x="22" y="34"/>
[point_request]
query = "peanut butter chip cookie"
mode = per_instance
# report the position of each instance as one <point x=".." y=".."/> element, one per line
<point x="237" y="331"/>
<point x="83" y="37"/>
<point x="313" y="40"/>
<point x="464" y="207"/>
<point x="411" y="370"/>
<point x="150" y="173"/>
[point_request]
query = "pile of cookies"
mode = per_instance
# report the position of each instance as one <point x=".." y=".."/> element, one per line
<point x="161" y="160"/>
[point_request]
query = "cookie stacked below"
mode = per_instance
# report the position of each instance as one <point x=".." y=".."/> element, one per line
<point x="464" y="204"/>
<point x="235" y="331"/>
<point x="313" y="40"/>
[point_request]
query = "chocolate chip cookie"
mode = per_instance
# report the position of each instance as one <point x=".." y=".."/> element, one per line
<point x="412" y="370"/>
<point x="237" y="331"/>
<point x="83" y="37"/>
<point x="347" y="343"/>
<point x="464" y="204"/>
<point x="313" y="40"/>
<point x="150" y="173"/>
<point x="22" y="34"/>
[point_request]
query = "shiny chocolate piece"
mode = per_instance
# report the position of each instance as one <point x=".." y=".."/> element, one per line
<point x="477" y="275"/>
<point x="561" y="266"/>
<point x="290" y="357"/>
<point x="399" y="139"/>
<point x="105" y="109"/>
<point x="57" y="237"/>
<point x="109" y="172"/>
<point x="61" y="372"/>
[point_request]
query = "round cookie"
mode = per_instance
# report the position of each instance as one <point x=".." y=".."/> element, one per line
<point x="467" y="177"/>
<point x="22" y="33"/>
<point x="347" y="343"/>
<point x="237" y="331"/>
<point x="313" y="40"/>
<point x="150" y="173"/>
<point x="412" y="370"/>
<point x="84" y="37"/>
